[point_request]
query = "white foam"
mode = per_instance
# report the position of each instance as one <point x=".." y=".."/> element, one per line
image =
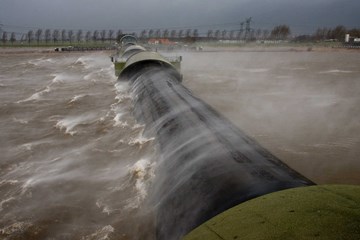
<point x="141" y="140"/>
<point x="84" y="61"/>
<point x="5" y="201"/>
<point x="335" y="71"/>
<point x="17" y="227"/>
<point x="21" y="121"/>
<point x="58" y="78"/>
<point x="257" y="70"/>
<point x="36" y="96"/>
<point x="41" y="61"/>
<point x="27" y="146"/>
<point x="101" y="234"/>
<point x="76" y="98"/>
<point x="119" y="122"/>
<point x="121" y="87"/>
<point x="142" y="172"/>
<point x="89" y="76"/>
<point x="69" y="123"/>
<point x="11" y="182"/>
<point x="80" y="61"/>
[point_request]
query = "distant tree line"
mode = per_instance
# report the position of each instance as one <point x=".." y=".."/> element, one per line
<point x="280" y="32"/>
<point x="330" y="34"/>
<point x="49" y="36"/>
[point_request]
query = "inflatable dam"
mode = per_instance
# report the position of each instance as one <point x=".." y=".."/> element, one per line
<point x="207" y="165"/>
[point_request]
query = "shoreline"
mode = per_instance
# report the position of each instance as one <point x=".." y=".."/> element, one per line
<point x="39" y="51"/>
<point x="50" y="50"/>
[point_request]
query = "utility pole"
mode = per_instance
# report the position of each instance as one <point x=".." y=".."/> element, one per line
<point x="241" y="29"/>
<point x="247" y="28"/>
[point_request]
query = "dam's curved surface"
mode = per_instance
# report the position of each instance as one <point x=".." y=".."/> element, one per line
<point x="207" y="164"/>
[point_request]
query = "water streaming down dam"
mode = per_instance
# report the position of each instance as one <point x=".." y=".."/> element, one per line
<point x="207" y="164"/>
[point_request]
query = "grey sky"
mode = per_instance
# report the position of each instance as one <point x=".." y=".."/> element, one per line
<point x="302" y="16"/>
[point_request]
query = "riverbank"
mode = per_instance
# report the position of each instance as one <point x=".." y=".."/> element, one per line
<point x="208" y="48"/>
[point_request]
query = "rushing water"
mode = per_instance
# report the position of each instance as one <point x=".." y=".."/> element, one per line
<point x="75" y="163"/>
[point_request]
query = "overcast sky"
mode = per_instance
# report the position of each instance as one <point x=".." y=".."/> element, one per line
<point x="303" y="16"/>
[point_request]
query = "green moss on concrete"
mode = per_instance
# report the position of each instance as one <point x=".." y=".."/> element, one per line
<point x="119" y="66"/>
<point x="317" y="212"/>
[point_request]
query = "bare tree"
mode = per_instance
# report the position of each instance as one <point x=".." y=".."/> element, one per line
<point x="95" y="36"/>
<point x="217" y="34"/>
<point x="258" y="33"/>
<point x="166" y="33"/>
<point x="70" y="35"/>
<point x="4" y="37"/>
<point x="338" y="33"/>
<point x="47" y="35"/>
<point x="79" y="35"/>
<point x="265" y="34"/>
<point x="38" y="35"/>
<point x="355" y="32"/>
<point x="143" y="34"/>
<point x="111" y="35"/>
<point x="232" y="34"/>
<point x="210" y="33"/>
<point x="173" y="34"/>
<point x="13" y="38"/>
<point x="188" y="33"/>
<point x="55" y="35"/>
<point x="23" y="38"/>
<point x="195" y="33"/>
<point x="180" y="33"/>
<point x="239" y="35"/>
<point x="158" y="33"/>
<point x="280" y="32"/>
<point x="63" y="35"/>
<point x="30" y="36"/>
<point x="88" y="36"/>
<point x="223" y="34"/>
<point x="103" y="35"/>
<point x="119" y="35"/>
<point x="151" y="33"/>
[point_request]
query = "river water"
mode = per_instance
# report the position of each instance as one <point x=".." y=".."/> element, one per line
<point x="76" y="165"/>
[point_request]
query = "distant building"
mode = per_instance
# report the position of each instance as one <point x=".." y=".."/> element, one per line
<point x="352" y="40"/>
<point x="163" y="41"/>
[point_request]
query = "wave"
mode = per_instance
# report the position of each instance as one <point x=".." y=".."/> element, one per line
<point x="41" y="61"/>
<point x="77" y="98"/>
<point x="142" y="173"/>
<point x="21" y="121"/>
<point x="140" y="141"/>
<point x="69" y="123"/>
<point x="59" y="78"/>
<point x="101" y="234"/>
<point x="257" y="70"/>
<point x="15" y="228"/>
<point x="121" y="87"/>
<point x="36" y="96"/>
<point x="84" y="62"/>
<point x="118" y="121"/>
<point x="335" y="71"/>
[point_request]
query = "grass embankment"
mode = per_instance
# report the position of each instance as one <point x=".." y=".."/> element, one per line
<point x="319" y="212"/>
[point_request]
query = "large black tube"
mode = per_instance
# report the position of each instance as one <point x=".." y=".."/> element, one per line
<point x="207" y="164"/>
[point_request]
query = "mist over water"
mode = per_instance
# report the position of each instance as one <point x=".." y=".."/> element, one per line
<point x="302" y="106"/>
<point x="76" y="164"/>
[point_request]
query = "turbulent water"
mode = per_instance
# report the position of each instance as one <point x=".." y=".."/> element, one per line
<point x="76" y="165"/>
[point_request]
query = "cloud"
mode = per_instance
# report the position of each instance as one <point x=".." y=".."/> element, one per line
<point x="131" y="15"/>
